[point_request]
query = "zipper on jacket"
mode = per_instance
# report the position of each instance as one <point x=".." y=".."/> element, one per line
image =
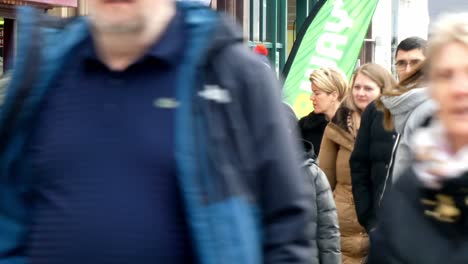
<point x="390" y="167"/>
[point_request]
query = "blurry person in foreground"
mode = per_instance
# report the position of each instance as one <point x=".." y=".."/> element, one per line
<point x="425" y="218"/>
<point x="148" y="133"/>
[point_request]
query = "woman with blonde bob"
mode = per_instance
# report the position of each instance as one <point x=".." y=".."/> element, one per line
<point x="329" y="87"/>
<point x="337" y="145"/>
<point x="425" y="218"/>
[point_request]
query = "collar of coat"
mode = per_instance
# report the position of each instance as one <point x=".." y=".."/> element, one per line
<point x="314" y="121"/>
<point x="338" y="128"/>
<point x="341" y="117"/>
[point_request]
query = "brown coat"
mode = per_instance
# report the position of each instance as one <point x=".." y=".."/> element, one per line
<point x="337" y="146"/>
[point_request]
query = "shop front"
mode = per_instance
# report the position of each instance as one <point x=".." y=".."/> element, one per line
<point x="7" y="22"/>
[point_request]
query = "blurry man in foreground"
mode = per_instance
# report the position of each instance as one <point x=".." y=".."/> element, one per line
<point x="146" y="133"/>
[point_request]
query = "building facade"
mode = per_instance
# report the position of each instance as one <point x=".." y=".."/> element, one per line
<point x="394" y="21"/>
<point x="276" y="23"/>
<point x="8" y="23"/>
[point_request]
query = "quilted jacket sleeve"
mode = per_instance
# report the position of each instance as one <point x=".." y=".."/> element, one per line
<point x="328" y="231"/>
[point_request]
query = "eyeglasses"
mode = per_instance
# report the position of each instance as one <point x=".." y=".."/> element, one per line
<point x="402" y="65"/>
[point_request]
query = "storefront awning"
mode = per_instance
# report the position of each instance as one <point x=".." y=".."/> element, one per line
<point x="64" y="3"/>
<point x="43" y="3"/>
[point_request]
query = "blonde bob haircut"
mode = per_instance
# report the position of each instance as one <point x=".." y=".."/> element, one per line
<point x="449" y="28"/>
<point x="329" y="80"/>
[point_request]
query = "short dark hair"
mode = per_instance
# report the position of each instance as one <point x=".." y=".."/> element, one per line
<point x="412" y="43"/>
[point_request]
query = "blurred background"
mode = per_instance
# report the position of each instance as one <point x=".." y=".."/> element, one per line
<point x="274" y="23"/>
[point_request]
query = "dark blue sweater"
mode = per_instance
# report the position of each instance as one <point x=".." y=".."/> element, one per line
<point x="103" y="153"/>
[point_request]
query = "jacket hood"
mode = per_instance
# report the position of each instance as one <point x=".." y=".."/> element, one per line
<point x="309" y="152"/>
<point x="402" y="106"/>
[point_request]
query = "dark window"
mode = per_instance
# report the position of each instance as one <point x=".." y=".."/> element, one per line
<point x="368" y="48"/>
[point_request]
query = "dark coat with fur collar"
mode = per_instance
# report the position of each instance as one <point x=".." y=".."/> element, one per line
<point x="311" y="128"/>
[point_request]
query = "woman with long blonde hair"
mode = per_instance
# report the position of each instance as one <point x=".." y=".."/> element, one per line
<point x="372" y="155"/>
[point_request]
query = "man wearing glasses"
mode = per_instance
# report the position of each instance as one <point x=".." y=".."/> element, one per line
<point x="410" y="52"/>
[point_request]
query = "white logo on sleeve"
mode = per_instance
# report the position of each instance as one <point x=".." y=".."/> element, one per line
<point x="215" y="93"/>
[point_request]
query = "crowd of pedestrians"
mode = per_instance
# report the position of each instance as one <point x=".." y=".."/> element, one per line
<point x="395" y="151"/>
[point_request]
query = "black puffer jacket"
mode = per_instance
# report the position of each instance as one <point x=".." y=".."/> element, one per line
<point x="369" y="165"/>
<point x="312" y="128"/>
<point x="326" y="233"/>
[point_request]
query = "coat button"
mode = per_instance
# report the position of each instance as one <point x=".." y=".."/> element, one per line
<point x="386" y="166"/>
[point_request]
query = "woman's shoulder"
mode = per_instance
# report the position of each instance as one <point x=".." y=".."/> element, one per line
<point x="372" y="114"/>
<point x="372" y="110"/>
<point x="313" y="121"/>
<point x="339" y="135"/>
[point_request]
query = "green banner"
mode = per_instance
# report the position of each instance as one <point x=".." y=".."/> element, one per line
<point x="332" y="36"/>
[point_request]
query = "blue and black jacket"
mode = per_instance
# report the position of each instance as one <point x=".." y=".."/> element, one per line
<point x="238" y="168"/>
